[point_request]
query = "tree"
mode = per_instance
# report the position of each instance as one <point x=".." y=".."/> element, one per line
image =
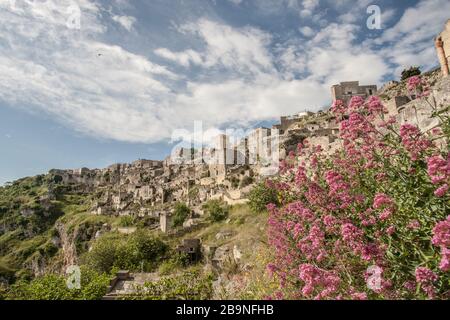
<point x="260" y="196"/>
<point x="216" y="210"/>
<point x="93" y="286"/>
<point x="408" y="73"/>
<point x="102" y="255"/>
<point x="57" y="179"/>
<point x="138" y="251"/>
<point x="181" y="212"/>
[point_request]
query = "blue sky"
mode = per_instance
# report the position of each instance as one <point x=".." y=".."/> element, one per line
<point x="134" y="72"/>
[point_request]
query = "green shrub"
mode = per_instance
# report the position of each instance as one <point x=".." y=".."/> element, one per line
<point x="261" y="196"/>
<point x="140" y="251"/>
<point x="181" y="213"/>
<point x="177" y="261"/>
<point x="193" y="193"/>
<point x="93" y="286"/>
<point x="216" y="210"/>
<point x="408" y="73"/>
<point x="102" y="256"/>
<point x="146" y="221"/>
<point x="3" y="291"/>
<point x="190" y="285"/>
<point x="127" y="221"/>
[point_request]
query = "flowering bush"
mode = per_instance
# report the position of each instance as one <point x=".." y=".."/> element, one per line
<point x="370" y="221"/>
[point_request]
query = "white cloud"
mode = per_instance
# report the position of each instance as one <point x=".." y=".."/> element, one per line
<point x="185" y="58"/>
<point x="244" y="49"/>
<point x="97" y="88"/>
<point x="410" y="39"/>
<point x="307" y="31"/>
<point x="310" y="4"/>
<point x="417" y="23"/>
<point x="125" y="21"/>
<point x="105" y="91"/>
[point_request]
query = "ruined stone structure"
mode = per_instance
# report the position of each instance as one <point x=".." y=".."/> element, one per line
<point x="346" y="90"/>
<point x="191" y="248"/>
<point x="222" y="156"/>
<point x="287" y="121"/>
<point x="165" y="221"/>
<point x="442" y="43"/>
<point x="259" y="144"/>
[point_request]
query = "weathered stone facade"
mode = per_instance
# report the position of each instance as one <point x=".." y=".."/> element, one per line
<point x="346" y="90"/>
<point x="442" y="43"/>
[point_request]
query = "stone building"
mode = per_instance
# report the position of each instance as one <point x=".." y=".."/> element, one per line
<point x="346" y="90"/>
<point x="165" y="221"/>
<point x="396" y="104"/>
<point x="287" y="121"/>
<point x="259" y="145"/>
<point x="442" y="43"/>
<point x="191" y="248"/>
<point x="221" y="156"/>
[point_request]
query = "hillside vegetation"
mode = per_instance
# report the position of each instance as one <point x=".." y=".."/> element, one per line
<point x="46" y="225"/>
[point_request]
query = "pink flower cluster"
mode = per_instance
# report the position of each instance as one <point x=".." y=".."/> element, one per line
<point x="441" y="238"/>
<point x="382" y="201"/>
<point x="338" y="107"/>
<point x="314" y="278"/>
<point x="414" y="82"/>
<point x="375" y="106"/>
<point x="413" y="140"/>
<point x="338" y="188"/>
<point x="336" y="216"/>
<point x="418" y="86"/>
<point x="439" y="172"/>
<point x="425" y="277"/>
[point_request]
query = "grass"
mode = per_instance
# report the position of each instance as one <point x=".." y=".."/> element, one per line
<point x="248" y="232"/>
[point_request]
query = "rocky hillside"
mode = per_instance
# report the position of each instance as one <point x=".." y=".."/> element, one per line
<point x="47" y="225"/>
<point x="136" y="216"/>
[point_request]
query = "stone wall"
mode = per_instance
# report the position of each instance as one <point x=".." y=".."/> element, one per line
<point x="419" y="111"/>
<point x="442" y="43"/>
<point x="346" y="90"/>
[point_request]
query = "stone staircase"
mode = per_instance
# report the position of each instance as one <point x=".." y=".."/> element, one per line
<point x="126" y="284"/>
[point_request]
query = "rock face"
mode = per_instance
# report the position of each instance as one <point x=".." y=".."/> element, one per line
<point x="237" y="254"/>
<point x="129" y="284"/>
<point x="221" y="255"/>
<point x="223" y="235"/>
